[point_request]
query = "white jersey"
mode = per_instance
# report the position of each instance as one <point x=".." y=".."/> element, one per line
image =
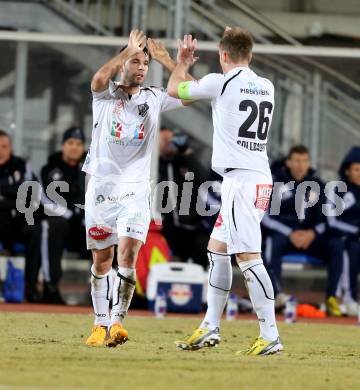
<point x="242" y="108"/>
<point x="123" y="132"/>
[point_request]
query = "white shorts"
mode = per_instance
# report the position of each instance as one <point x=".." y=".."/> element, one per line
<point x="114" y="210"/>
<point x="245" y="196"/>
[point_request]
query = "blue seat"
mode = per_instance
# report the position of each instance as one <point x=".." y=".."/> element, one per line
<point x="18" y="248"/>
<point x="299" y="258"/>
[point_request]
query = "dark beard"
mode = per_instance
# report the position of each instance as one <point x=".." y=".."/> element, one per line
<point x="132" y="83"/>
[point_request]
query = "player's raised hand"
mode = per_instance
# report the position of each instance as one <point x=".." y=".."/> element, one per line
<point x="137" y="40"/>
<point x="157" y="50"/>
<point x="186" y="50"/>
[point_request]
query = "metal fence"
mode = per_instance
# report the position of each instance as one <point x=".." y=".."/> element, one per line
<point x="44" y="86"/>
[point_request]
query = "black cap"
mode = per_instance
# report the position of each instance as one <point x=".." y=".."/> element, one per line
<point x="73" y="132"/>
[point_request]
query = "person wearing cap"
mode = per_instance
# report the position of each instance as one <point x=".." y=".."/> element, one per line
<point x="346" y="226"/>
<point x="66" y="230"/>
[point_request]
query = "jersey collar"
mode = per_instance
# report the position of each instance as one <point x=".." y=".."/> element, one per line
<point x="235" y="70"/>
<point x="126" y="95"/>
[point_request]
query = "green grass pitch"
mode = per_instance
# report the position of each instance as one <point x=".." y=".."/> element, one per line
<point x="47" y="351"/>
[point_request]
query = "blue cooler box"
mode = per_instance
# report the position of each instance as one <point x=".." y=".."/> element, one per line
<point x="182" y="283"/>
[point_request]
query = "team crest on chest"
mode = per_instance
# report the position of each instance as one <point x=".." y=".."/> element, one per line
<point x="143" y="109"/>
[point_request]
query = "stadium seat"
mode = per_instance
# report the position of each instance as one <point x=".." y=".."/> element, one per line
<point x="298" y="258"/>
<point x="18" y="248"/>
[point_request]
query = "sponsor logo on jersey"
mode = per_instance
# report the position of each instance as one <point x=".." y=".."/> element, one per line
<point x="137" y="219"/>
<point x="121" y="138"/>
<point x="263" y="193"/>
<point x="99" y="233"/>
<point x="143" y="109"/>
<point x="99" y="199"/>
<point x="139" y="131"/>
<point x="118" y="107"/>
<point x="219" y="221"/>
<point x="130" y="230"/>
<point x="254" y="90"/>
<point x="116" y="129"/>
<point x="118" y="199"/>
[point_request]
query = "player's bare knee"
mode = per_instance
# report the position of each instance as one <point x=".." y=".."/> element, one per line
<point x="102" y="259"/>
<point x="127" y="258"/>
<point x="217" y="246"/>
<point x="245" y="256"/>
<point x="127" y="253"/>
<point x="102" y="268"/>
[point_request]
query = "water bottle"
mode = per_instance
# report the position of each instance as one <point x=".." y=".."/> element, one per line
<point x="232" y="307"/>
<point x="160" y="304"/>
<point x="290" y="310"/>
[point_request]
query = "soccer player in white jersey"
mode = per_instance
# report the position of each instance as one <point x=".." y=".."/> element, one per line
<point x="242" y="107"/>
<point x="117" y="207"/>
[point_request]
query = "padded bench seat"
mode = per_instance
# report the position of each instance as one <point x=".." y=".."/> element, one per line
<point x="302" y="260"/>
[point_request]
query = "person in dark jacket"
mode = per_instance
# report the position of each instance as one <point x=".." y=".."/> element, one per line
<point x="14" y="228"/>
<point x="347" y="224"/>
<point x="177" y="164"/>
<point x="300" y="229"/>
<point x="68" y="229"/>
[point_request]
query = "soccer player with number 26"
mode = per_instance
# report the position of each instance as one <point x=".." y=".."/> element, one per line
<point x="242" y="108"/>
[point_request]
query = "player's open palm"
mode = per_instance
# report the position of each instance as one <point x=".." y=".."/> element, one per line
<point x="186" y="51"/>
<point x="137" y="40"/>
<point x="157" y="50"/>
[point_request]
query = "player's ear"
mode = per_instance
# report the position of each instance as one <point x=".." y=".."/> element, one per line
<point x="221" y="55"/>
<point x="250" y="58"/>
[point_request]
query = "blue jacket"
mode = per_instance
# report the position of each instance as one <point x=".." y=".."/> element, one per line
<point x="348" y="223"/>
<point x="287" y="221"/>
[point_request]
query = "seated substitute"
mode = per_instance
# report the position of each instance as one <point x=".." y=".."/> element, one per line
<point x="14" y="228"/>
<point x="346" y="226"/>
<point x="66" y="231"/>
<point x="287" y="233"/>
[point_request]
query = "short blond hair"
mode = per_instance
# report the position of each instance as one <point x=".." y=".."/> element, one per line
<point x="238" y="42"/>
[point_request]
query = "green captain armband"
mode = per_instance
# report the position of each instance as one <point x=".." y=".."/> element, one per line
<point x="184" y="90"/>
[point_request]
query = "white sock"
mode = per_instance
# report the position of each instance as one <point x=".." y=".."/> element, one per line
<point x="219" y="285"/>
<point x="101" y="289"/>
<point x="262" y="296"/>
<point x="123" y="290"/>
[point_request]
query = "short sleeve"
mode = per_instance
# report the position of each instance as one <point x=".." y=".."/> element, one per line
<point x="208" y="87"/>
<point x="169" y="103"/>
<point x="108" y="93"/>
